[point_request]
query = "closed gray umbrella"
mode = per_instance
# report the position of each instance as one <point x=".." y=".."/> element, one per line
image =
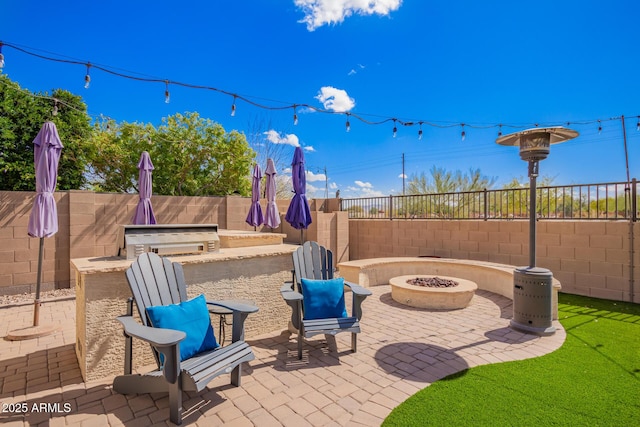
<point x="144" y="210"/>
<point x="43" y="221"/>
<point x="254" y="217"/>
<point x="272" y="216"/>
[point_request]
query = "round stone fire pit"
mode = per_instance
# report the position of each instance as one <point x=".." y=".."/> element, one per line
<point x="440" y="296"/>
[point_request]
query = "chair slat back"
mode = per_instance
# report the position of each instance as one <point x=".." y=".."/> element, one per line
<point x="312" y="261"/>
<point x="155" y="281"/>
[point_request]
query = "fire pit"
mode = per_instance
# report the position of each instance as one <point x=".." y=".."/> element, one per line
<point x="433" y="292"/>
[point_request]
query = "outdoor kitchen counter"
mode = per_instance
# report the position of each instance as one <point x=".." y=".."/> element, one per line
<point x="245" y="273"/>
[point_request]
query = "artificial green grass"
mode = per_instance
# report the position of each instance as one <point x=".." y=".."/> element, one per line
<point x="592" y="380"/>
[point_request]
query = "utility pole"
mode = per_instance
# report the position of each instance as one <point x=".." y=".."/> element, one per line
<point x="403" y="176"/>
<point x="326" y="190"/>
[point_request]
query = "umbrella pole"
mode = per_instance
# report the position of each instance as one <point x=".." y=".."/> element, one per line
<point x="36" y="308"/>
<point x="301" y="240"/>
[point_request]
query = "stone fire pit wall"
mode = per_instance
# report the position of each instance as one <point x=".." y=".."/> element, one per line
<point x="254" y="273"/>
<point x="489" y="276"/>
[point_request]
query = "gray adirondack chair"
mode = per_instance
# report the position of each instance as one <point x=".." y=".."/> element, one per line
<point x="157" y="281"/>
<point x="312" y="261"/>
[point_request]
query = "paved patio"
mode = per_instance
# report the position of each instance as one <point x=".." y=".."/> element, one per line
<point x="400" y="351"/>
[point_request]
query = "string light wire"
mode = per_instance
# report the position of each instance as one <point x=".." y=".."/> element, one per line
<point x="251" y="99"/>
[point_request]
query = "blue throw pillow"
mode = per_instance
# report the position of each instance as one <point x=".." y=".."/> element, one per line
<point x="323" y="298"/>
<point x="190" y="317"/>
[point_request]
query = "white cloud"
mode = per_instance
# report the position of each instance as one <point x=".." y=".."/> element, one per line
<point x="310" y="190"/>
<point x="333" y="186"/>
<point x="330" y="12"/>
<point x="309" y="148"/>
<point x="352" y="72"/>
<point x="402" y="175"/>
<point x="335" y="99"/>
<point x="311" y="177"/>
<point x="363" y="189"/>
<point x="369" y="192"/>
<point x="276" y="138"/>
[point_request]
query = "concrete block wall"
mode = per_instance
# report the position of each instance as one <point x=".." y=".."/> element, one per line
<point x="89" y="223"/>
<point x="19" y="252"/>
<point x="588" y="257"/>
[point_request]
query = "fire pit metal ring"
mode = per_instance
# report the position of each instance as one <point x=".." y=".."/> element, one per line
<point x="435" y="298"/>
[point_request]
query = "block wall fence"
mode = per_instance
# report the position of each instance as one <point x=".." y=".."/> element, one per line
<point x="88" y="225"/>
<point x="588" y="257"/>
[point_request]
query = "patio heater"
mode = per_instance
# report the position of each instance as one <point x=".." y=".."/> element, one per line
<point x="533" y="286"/>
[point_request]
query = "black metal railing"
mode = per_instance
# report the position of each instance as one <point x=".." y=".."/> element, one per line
<point x="611" y="200"/>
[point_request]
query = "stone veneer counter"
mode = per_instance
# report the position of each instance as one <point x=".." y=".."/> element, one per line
<point x="245" y="273"/>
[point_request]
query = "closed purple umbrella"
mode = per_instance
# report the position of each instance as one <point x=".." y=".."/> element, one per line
<point x="43" y="221"/>
<point x="144" y="209"/>
<point x="298" y="214"/>
<point x="255" y="217"/>
<point x="272" y="217"/>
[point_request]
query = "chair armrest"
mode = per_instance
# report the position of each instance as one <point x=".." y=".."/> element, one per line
<point x="357" y="289"/>
<point x="165" y="341"/>
<point x="287" y="287"/>
<point x="235" y="306"/>
<point x="291" y="296"/>
<point x="293" y="300"/>
<point x="157" y="337"/>
<point x="359" y="295"/>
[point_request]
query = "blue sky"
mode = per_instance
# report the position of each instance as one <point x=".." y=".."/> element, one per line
<point x="441" y="62"/>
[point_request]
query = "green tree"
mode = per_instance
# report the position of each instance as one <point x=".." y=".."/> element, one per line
<point x="443" y="181"/>
<point x="442" y="202"/>
<point x="192" y="156"/>
<point x="22" y="114"/>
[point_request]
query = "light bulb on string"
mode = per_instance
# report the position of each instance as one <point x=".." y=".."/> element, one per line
<point x="395" y="128"/>
<point x="348" y="125"/>
<point x="420" y="132"/>
<point x="55" y="107"/>
<point x="1" y="58"/>
<point x="499" y="130"/>
<point x="463" y="134"/>
<point x="599" y="127"/>
<point x="233" y="106"/>
<point x="167" y="95"/>
<point x="638" y="125"/>
<point x="295" y="116"/>
<point x="87" y="77"/>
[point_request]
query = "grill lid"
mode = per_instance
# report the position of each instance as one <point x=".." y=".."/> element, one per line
<point x="167" y="239"/>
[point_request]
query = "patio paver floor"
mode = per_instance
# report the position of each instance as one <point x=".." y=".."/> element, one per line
<point x="400" y="351"/>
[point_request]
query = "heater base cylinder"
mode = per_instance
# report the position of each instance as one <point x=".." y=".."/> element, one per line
<point x="533" y="301"/>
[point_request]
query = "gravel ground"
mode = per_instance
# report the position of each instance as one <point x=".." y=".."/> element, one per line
<point x="20" y="299"/>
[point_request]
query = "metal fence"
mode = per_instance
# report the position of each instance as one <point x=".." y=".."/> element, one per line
<point x="611" y="200"/>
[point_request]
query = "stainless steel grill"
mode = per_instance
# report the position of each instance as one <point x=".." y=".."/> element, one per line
<point x="167" y="239"/>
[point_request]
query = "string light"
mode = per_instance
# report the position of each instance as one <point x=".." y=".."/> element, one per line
<point x="395" y="128"/>
<point x="420" y="132"/>
<point x="55" y="107"/>
<point x="251" y="100"/>
<point x="233" y="106"/>
<point x="499" y="130"/>
<point x="599" y="127"/>
<point x="348" y="125"/>
<point x="167" y="95"/>
<point x="87" y="77"/>
<point x="295" y="116"/>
